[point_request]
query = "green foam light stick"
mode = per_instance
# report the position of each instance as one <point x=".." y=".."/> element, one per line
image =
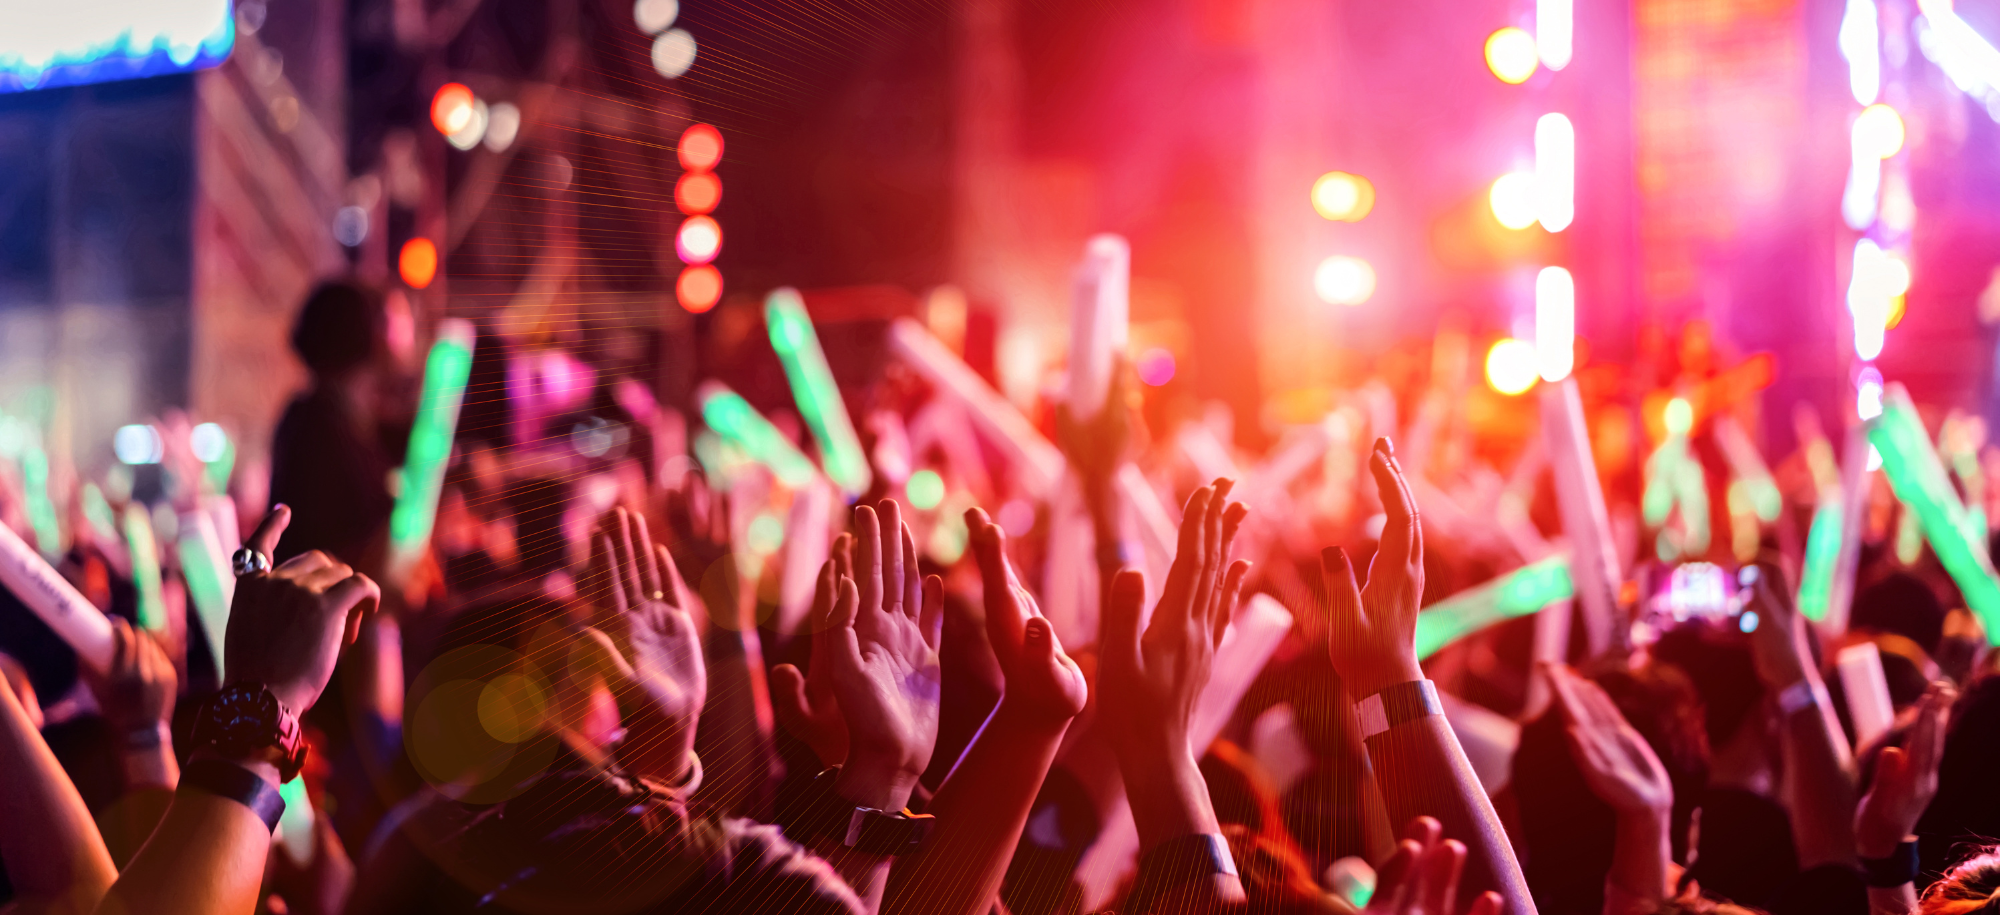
<point x="145" y="551"/>
<point x="41" y="509"/>
<point x="1518" y="593"/>
<point x="446" y="372"/>
<point x="208" y="587"/>
<point x="1822" y="556"/>
<point x="1918" y="478"/>
<point x="739" y="424"/>
<point x="813" y="388"/>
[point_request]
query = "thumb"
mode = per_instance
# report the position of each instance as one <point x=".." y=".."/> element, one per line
<point x="1891" y="768"/>
<point x="595" y="655"/>
<point x="1127" y="601"/>
<point x="788" y="698"/>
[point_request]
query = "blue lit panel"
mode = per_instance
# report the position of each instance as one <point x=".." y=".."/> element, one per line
<point x="46" y="43"/>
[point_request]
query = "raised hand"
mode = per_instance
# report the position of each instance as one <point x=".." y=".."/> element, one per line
<point x="805" y="702"/>
<point x="1617" y="764"/>
<point x="1372" y="635"/>
<point x="1421" y="878"/>
<point x="643" y="642"/>
<point x="884" y="653"/>
<point x="287" y="626"/>
<point x="1906" y="778"/>
<point x="137" y="693"/>
<point x="1041" y="679"/>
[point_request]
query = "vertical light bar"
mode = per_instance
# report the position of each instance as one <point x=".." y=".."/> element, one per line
<point x="1861" y="44"/>
<point x="1919" y="480"/>
<point x="813" y="388"/>
<point x="1517" y="593"/>
<point x="1555" y="323"/>
<point x="1555" y="172"/>
<point x="740" y="424"/>
<point x="41" y="509"/>
<point x="1555" y="30"/>
<point x="446" y="372"/>
<point x="145" y="567"/>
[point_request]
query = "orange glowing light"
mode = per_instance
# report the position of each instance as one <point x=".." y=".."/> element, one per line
<point x="699" y="288"/>
<point x="451" y="108"/>
<point x="701" y="148"/>
<point x="1511" y="55"/>
<point x="698" y="240"/>
<point x="418" y="263"/>
<point x="697" y="193"/>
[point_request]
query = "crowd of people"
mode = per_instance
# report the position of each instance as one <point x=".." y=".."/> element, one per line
<point x="619" y="679"/>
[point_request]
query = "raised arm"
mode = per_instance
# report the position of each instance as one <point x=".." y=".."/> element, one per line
<point x="1416" y="758"/>
<point x="1621" y="769"/>
<point x="137" y="696"/>
<point x="1906" y="779"/>
<point x="1150" y="679"/>
<point x="1818" y="765"/>
<point x="984" y="802"/>
<point x="52" y="851"/>
<point x="286" y="630"/>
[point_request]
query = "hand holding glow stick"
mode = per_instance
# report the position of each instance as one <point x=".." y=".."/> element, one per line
<point x="1099" y="322"/>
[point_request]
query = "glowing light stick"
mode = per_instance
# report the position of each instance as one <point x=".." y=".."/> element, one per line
<point x="1580" y="500"/>
<point x="295" y="825"/>
<point x="145" y="567"/>
<point x="1854" y="495"/>
<point x="1749" y="466"/>
<point x="739" y="424"/>
<point x="1867" y="691"/>
<point x="36" y="584"/>
<point x="813" y="388"/>
<point x="1920" y="482"/>
<point x="41" y="509"/>
<point x="1099" y="322"/>
<point x="446" y="372"/>
<point x="1036" y="463"/>
<point x="210" y="583"/>
<point x="807" y="531"/>
<point x="1518" y="593"/>
<point x="1823" y="541"/>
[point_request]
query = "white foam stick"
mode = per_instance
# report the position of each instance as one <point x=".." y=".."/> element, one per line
<point x="1069" y="574"/>
<point x="1855" y="483"/>
<point x="1295" y="454"/>
<point x="36" y="584"/>
<point x="1037" y="463"/>
<point x="807" y="531"/>
<point x="1099" y="322"/>
<point x="1209" y="456"/>
<point x="1252" y="638"/>
<point x="1868" y="703"/>
<point x="1579" y="497"/>
<point x="1157" y="529"/>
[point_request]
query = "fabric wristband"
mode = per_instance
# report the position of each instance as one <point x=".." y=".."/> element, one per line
<point x="1177" y="862"/>
<point x="1898" y="868"/>
<point x="1398" y="704"/>
<point x="232" y="782"/>
<point x="1798" y="697"/>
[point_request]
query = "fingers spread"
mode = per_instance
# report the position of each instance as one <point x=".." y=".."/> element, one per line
<point x="1232" y="587"/>
<point x="650" y="577"/>
<point x="868" y="545"/>
<point x="1122" y="609"/>
<point x="603" y="578"/>
<point x="1398" y="541"/>
<point x="931" y="620"/>
<point x="788" y="698"/>
<point x="265" y="538"/>
<point x="1003" y="614"/>
<point x="889" y="517"/>
<point x="913" y="577"/>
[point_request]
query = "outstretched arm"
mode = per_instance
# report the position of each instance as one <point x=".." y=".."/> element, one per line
<point x="983" y="804"/>
<point x="54" y="856"/>
<point x="1818" y="765"/>
<point x="1416" y="757"/>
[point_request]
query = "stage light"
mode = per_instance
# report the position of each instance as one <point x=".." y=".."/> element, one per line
<point x="503" y="124"/>
<point x="138" y="444"/>
<point x="673" y="53"/>
<point x="1156" y="366"/>
<point x="699" y="288"/>
<point x="350" y="226"/>
<point x="925" y="490"/>
<point x="1555" y="323"/>
<point x="1878" y="132"/>
<point x="1342" y="197"/>
<point x="697" y="193"/>
<point x="474" y="129"/>
<point x="1555" y="26"/>
<point x="1969" y="60"/>
<point x="1511" y="55"/>
<point x="1864" y="185"/>
<point x="1510" y="366"/>
<point x="700" y="148"/>
<point x="1868" y="393"/>
<point x="1679" y="416"/>
<point x="1878" y="279"/>
<point x="1343" y="280"/>
<point x="451" y="108"/>
<point x="1555" y="172"/>
<point x="1513" y="200"/>
<point x="208" y="442"/>
<point x="1861" y="44"/>
<point x="698" y="240"/>
<point x="418" y="262"/>
<point x="653" y="16"/>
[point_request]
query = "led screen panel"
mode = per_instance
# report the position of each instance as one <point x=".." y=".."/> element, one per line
<point x="46" y="43"/>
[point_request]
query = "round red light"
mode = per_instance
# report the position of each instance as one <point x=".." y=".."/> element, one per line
<point x="701" y="148"/>
<point x="451" y="108"/>
<point x="698" y="241"/>
<point x="699" y="288"/>
<point x="418" y="262"/>
<point x="697" y="193"/>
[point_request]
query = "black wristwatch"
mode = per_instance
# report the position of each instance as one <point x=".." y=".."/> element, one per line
<point x="246" y="721"/>
<point x="823" y="813"/>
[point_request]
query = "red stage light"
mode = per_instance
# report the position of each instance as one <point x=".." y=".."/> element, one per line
<point x="1156" y="366"/>
<point x="698" y="240"/>
<point x="418" y="263"/>
<point x="697" y="193"/>
<point x="451" y="108"/>
<point x="701" y="148"/>
<point x="699" y="288"/>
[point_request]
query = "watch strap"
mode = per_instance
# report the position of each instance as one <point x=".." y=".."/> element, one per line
<point x="1177" y="862"/>
<point x="1898" y="868"/>
<point x="882" y="832"/>
<point x="1398" y="704"/>
<point x="823" y="814"/>
<point x="232" y="782"/>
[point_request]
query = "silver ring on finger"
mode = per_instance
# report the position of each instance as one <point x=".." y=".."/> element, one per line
<point x="247" y="561"/>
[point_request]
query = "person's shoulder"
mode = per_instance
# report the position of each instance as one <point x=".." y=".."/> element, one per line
<point x="768" y="872"/>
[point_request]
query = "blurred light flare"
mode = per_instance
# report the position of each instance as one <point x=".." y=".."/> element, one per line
<point x="1868" y="393"/>
<point x="66" y="43"/>
<point x="1511" y="366"/>
<point x="1878" y="132"/>
<point x="654" y="16"/>
<point x="1861" y="44"/>
<point x="673" y="53"/>
<point x="503" y="124"/>
<point x="698" y="240"/>
<point x="418" y="262"/>
<point x="698" y="288"/>
<point x="1343" y="197"/>
<point x="1512" y="199"/>
<point x="1877" y="280"/>
<point x="1969" y="60"/>
<point x="925" y="489"/>
<point x="700" y="148"/>
<point x="1156" y="366"/>
<point x="474" y="130"/>
<point x="451" y="108"/>
<point x="1344" y="280"/>
<point x="208" y="442"/>
<point x="1678" y="417"/>
<point x="1555" y="323"/>
<point x="1511" y="55"/>
<point x="138" y="444"/>
<point x="697" y="193"/>
<point x="1555" y="171"/>
<point x="1555" y="28"/>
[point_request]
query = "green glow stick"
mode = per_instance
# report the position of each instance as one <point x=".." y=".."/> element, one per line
<point x="1662" y="469"/>
<point x="145" y="567"/>
<point x="1748" y="465"/>
<point x="739" y="424"/>
<point x="813" y="388"/>
<point x="1822" y="555"/>
<point x="1518" y="593"/>
<point x="204" y="580"/>
<point x="295" y="825"/>
<point x="1918" y="478"/>
<point x="41" y="510"/>
<point x="218" y="470"/>
<point x="446" y="371"/>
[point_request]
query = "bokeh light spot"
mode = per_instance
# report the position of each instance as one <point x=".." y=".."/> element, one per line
<point x="1679" y="416"/>
<point x="699" y="288"/>
<point x="1343" y="280"/>
<point x="418" y="263"/>
<point x="1511" y="366"/>
<point x="1156" y="366"/>
<point x="700" y="148"/>
<point x="1513" y="200"/>
<point x="1342" y="197"/>
<point x="451" y="108"/>
<point x="1878" y="131"/>
<point x="697" y="193"/>
<point x="765" y="534"/>
<point x="673" y="53"/>
<point x="1511" y="55"/>
<point x="925" y="489"/>
<point x="654" y="16"/>
<point x="698" y="240"/>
